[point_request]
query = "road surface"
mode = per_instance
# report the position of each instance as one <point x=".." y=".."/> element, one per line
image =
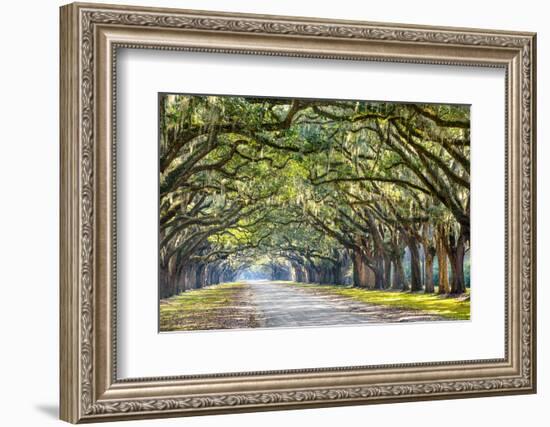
<point x="285" y="305"/>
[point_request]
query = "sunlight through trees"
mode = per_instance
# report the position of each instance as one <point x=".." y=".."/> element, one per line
<point x="371" y="194"/>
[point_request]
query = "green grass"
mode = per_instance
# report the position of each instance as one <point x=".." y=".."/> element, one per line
<point x="199" y="308"/>
<point x="445" y="306"/>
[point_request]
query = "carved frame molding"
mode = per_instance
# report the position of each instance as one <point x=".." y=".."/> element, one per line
<point x="90" y="36"/>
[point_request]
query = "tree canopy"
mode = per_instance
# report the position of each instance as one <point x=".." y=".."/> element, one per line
<point x="313" y="190"/>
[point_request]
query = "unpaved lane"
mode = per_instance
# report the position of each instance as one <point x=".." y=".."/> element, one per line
<point x="285" y="305"/>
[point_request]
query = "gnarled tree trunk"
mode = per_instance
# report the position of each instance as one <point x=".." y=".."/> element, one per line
<point x="416" y="279"/>
<point x="442" y="262"/>
<point x="360" y="271"/>
<point x="429" y="274"/>
<point x="457" y="250"/>
<point x="387" y="271"/>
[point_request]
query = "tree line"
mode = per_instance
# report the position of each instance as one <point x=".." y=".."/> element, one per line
<point x="324" y="191"/>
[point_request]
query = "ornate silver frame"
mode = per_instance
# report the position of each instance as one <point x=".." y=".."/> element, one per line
<point x="90" y="36"/>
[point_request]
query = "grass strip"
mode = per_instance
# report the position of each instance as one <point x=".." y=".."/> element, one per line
<point x="214" y="307"/>
<point x="457" y="308"/>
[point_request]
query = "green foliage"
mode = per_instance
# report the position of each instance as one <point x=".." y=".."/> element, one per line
<point x="306" y="181"/>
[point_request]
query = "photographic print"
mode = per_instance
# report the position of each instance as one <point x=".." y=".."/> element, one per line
<point x="280" y="212"/>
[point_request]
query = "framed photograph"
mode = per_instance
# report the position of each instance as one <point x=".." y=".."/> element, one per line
<point x="266" y="213"/>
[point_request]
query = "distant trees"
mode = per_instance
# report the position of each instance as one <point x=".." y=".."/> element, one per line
<point x="372" y="193"/>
